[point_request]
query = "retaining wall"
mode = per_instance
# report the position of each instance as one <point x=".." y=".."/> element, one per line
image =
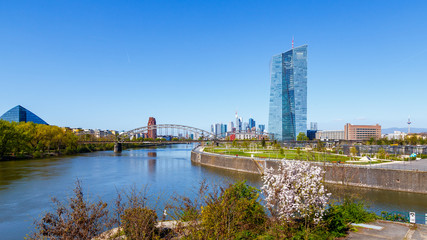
<point x="388" y="179"/>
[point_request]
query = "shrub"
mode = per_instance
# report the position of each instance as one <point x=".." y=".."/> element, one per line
<point x="139" y="223"/>
<point x="81" y="219"/>
<point x="235" y="214"/>
<point x="338" y="216"/>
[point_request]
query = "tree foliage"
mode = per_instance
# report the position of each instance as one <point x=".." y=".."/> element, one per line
<point x="302" y="137"/>
<point x="295" y="192"/>
<point x="30" y="139"/>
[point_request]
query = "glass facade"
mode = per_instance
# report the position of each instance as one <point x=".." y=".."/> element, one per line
<point x="21" y="114"/>
<point x="288" y="94"/>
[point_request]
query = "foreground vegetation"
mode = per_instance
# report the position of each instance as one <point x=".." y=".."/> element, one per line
<point x="235" y="211"/>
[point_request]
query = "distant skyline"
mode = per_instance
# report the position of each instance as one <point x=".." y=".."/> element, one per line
<point x="112" y="65"/>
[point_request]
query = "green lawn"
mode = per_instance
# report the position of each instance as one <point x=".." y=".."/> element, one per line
<point x="287" y="154"/>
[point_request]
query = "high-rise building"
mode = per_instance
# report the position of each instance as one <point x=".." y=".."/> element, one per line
<point x="251" y="123"/>
<point x="245" y="127"/>
<point x="152" y="132"/>
<point x="288" y="94"/>
<point x="218" y="129"/>
<point x="239" y="121"/>
<point x="230" y="126"/>
<point x="21" y="114"/>
<point x="313" y="126"/>
<point x="261" y="128"/>
<point x="223" y="129"/>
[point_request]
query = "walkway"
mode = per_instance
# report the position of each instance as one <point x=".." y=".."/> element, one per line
<point x="390" y="230"/>
<point x="420" y="165"/>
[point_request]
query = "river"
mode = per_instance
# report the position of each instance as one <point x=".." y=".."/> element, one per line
<point x="27" y="186"/>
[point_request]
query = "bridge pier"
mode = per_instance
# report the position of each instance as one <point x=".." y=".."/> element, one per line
<point x="118" y="147"/>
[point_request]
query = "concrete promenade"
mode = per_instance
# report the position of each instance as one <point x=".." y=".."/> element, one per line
<point x="389" y="176"/>
<point x="380" y="230"/>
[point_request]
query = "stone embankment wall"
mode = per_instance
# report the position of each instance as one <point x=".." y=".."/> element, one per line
<point x="362" y="176"/>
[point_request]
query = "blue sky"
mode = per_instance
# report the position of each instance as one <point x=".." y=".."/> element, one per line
<point x="113" y="64"/>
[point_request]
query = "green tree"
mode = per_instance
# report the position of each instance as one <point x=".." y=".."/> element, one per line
<point x="263" y="143"/>
<point x="302" y="137"/>
<point x="245" y="144"/>
<point x="353" y="151"/>
<point x="320" y="146"/>
<point x="298" y="152"/>
<point x="381" y="153"/>
<point x="8" y="138"/>
<point x="234" y="143"/>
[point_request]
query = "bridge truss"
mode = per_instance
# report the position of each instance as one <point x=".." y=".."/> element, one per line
<point x="185" y="131"/>
<point x="173" y="130"/>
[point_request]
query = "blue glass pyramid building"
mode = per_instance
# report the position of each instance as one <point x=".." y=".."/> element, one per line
<point x="21" y="114"/>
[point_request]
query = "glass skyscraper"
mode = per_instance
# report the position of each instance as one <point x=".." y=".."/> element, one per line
<point x="21" y="114"/>
<point x="288" y="94"/>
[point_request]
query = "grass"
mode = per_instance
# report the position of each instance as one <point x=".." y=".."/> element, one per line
<point x="290" y="154"/>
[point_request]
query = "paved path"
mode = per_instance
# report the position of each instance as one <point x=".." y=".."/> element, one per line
<point x="390" y="230"/>
<point x="420" y="165"/>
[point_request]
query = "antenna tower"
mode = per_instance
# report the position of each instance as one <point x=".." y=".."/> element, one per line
<point x="409" y="124"/>
<point x="292" y="42"/>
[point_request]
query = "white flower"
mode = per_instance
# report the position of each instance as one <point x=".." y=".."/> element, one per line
<point x="296" y="192"/>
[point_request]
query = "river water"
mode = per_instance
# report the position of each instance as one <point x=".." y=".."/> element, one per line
<point x="27" y="186"/>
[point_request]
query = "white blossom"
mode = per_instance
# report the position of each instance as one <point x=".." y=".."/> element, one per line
<point x="296" y="191"/>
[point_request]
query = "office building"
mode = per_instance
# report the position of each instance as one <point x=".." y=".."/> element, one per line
<point x="251" y="123"/>
<point x="261" y="128"/>
<point x="362" y="132"/>
<point x="288" y="94"/>
<point x="239" y="122"/>
<point x="21" y="114"/>
<point x="313" y="126"/>
<point x="230" y="127"/>
<point x="152" y="132"/>
<point x="311" y="134"/>
<point x="330" y="135"/>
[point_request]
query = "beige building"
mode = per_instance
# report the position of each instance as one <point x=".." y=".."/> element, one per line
<point x="362" y="132"/>
<point x="330" y="135"/>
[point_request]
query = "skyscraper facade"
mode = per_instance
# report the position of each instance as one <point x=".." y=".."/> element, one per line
<point x="152" y="132"/>
<point x="288" y="94"/>
<point x="251" y="123"/>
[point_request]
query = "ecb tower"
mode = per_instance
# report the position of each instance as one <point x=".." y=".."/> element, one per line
<point x="288" y="94"/>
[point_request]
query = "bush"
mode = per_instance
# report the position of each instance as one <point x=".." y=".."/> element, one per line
<point x="139" y="223"/>
<point x="79" y="220"/>
<point x="338" y="216"/>
<point x="235" y="214"/>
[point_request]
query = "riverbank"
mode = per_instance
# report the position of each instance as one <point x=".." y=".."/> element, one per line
<point x="344" y="174"/>
<point x="82" y="148"/>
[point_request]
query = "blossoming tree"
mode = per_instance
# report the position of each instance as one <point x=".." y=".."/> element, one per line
<point x="295" y="192"/>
